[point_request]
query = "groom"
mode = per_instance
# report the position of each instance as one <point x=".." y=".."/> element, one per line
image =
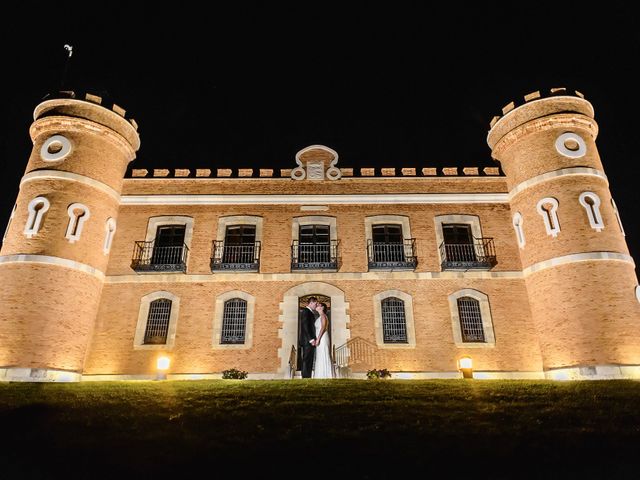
<point x="307" y="336"/>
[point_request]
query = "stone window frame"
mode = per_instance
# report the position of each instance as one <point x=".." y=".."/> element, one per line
<point x="549" y="216"/>
<point x="34" y="220"/>
<point x="231" y="220"/>
<point x="593" y="211"/>
<point x="76" y="221"/>
<point x="617" y="214"/>
<point x="110" y="227"/>
<point x="408" y="315"/>
<point x="439" y="220"/>
<point x="314" y="220"/>
<point x="143" y="314"/>
<point x="166" y="220"/>
<point x="6" y="230"/>
<point x="485" y="313"/>
<point x="218" y="318"/>
<point x="518" y="222"/>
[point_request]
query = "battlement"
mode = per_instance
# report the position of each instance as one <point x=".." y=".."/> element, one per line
<point x="285" y="173"/>
<point x="83" y="105"/>
<point x="534" y="105"/>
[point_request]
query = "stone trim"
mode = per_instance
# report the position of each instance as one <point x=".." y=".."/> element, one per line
<point x="55" y="261"/>
<point x="377" y="199"/>
<point x="485" y="313"/>
<point x="408" y="315"/>
<point x="219" y="314"/>
<point x="585" y="171"/>
<point x="143" y="315"/>
<point x="76" y="221"/>
<point x="577" y="257"/>
<point x="69" y="176"/>
<point x="593" y="211"/>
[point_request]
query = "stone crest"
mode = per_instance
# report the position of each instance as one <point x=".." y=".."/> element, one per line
<point x="316" y="162"/>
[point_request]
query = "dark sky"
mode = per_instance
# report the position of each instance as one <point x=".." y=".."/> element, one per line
<point x="397" y="84"/>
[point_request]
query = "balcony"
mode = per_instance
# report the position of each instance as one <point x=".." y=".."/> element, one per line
<point x="465" y="256"/>
<point x="147" y="257"/>
<point x="392" y="256"/>
<point x="242" y="258"/>
<point x="314" y="256"/>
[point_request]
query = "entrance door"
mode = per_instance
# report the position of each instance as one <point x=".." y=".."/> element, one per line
<point x="302" y="303"/>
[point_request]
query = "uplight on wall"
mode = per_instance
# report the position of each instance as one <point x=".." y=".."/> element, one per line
<point x="162" y="365"/>
<point x="465" y="365"/>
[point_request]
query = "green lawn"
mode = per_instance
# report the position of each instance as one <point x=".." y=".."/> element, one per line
<point x="324" y="428"/>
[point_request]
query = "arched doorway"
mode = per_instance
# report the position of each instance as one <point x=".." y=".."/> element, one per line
<point x="302" y="304"/>
<point x="293" y="300"/>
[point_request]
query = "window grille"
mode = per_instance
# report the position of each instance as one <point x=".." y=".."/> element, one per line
<point x="234" y="321"/>
<point x="470" y="320"/>
<point x="394" y="324"/>
<point x="158" y="322"/>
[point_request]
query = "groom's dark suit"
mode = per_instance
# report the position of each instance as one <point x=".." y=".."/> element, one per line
<point x="306" y="334"/>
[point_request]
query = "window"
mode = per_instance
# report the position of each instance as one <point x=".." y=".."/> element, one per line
<point x="239" y="244"/>
<point x="591" y="203"/>
<point x="37" y="208"/>
<point x="470" y="320"/>
<point x="158" y="322"/>
<point x="458" y="242"/>
<point x="78" y="214"/>
<point x="394" y="325"/>
<point x="388" y="243"/>
<point x="548" y="209"/>
<point x="617" y="214"/>
<point x="110" y="231"/>
<point x="234" y="321"/>
<point x="169" y="245"/>
<point x="517" y="225"/>
<point x="314" y="246"/>
<point x="6" y="230"/>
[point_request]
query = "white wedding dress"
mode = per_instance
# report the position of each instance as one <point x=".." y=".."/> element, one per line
<point x="322" y="365"/>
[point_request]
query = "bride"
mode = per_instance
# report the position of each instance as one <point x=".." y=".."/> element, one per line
<point x="323" y="367"/>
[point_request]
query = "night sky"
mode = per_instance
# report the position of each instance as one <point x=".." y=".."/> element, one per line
<point x="400" y="84"/>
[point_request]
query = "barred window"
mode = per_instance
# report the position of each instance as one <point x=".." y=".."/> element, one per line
<point x="158" y="322"/>
<point x="394" y="324"/>
<point x="234" y="321"/>
<point x="470" y="320"/>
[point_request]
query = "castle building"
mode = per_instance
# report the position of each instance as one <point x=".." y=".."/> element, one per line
<point x="515" y="271"/>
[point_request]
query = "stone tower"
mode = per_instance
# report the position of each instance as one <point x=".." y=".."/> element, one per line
<point x="56" y="247"/>
<point x="580" y="278"/>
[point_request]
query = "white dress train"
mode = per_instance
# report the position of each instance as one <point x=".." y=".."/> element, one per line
<point x="322" y="367"/>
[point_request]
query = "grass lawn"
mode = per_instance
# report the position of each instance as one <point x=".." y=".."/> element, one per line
<point x="321" y="428"/>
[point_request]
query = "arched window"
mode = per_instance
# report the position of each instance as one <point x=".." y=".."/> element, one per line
<point x="6" y="230"/>
<point x="234" y="321"/>
<point x="617" y="214"/>
<point x="470" y="320"/>
<point x="78" y="214"/>
<point x="548" y="209"/>
<point x="517" y="225"/>
<point x="591" y="203"/>
<point x="37" y="208"/>
<point x="394" y="323"/>
<point x="158" y="322"/>
<point x="110" y="231"/>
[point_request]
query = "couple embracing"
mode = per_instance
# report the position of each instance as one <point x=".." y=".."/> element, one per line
<point x="313" y="340"/>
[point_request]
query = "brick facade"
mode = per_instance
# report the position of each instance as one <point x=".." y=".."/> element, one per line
<point x="561" y="306"/>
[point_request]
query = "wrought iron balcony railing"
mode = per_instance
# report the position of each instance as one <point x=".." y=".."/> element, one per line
<point x="397" y="255"/>
<point x="463" y="256"/>
<point x="244" y="258"/>
<point x="147" y="257"/>
<point x="314" y="256"/>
